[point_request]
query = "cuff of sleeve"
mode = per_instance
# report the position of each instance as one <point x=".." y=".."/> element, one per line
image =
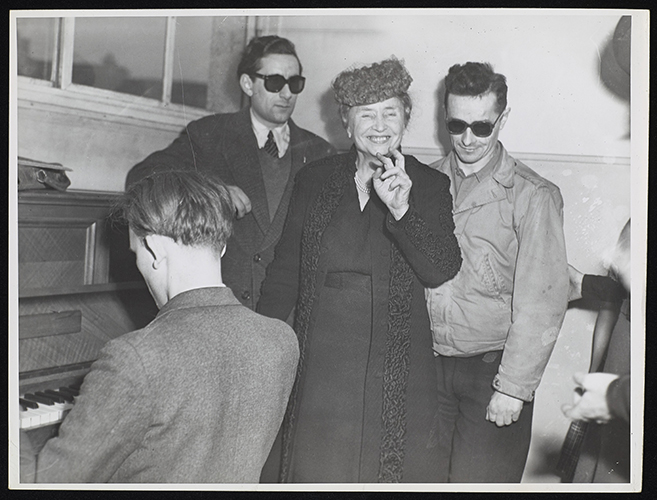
<point x="602" y="288"/>
<point x="401" y="223"/>
<point x="514" y="390"/>
<point x="618" y="398"/>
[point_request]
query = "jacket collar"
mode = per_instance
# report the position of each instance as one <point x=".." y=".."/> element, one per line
<point x="505" y="169"/>
<point x="491" y="190"/>
<point x="502" y="172"/>
<point x="200" y="297"/>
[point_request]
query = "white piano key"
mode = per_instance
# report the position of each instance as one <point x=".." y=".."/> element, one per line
<point x="35" y="418"/>
<point x="44" y="415"/>
<point x="24" y="420"/>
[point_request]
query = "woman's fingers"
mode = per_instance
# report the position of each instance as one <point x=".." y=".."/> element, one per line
<point x="388" y="162"/>
<point x="399" y="159"/>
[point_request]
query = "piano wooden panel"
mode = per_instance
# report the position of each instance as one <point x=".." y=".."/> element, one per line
<point x="53" y="255"/>
<point x="104" y="316"/>
<point x="79" y="286"/>
<point x="49" y="324"/>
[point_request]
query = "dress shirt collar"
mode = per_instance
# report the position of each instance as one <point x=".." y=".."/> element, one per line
<point x="281" y="134"/>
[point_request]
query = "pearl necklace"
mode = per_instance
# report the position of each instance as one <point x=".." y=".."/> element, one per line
<point x="363" y="188"/>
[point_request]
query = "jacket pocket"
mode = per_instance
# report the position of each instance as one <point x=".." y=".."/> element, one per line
<point x="492" y="281"/>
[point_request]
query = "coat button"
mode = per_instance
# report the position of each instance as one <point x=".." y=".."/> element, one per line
<point x="257" y="258"/>
<point x="246" y="295"/>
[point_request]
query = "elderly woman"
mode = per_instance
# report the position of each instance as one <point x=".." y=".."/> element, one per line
<point x="365" y="231"/>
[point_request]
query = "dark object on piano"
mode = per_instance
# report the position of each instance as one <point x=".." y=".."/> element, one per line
<point x="570" y="450"/>
<point x="33" y="174"/>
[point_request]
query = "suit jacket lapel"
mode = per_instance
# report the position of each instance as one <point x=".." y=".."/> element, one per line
<point x="242" y="155"/>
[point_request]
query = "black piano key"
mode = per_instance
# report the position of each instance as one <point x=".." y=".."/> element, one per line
<point x="28" y="404"/>
<point x="69" y="390"/>
<point x="51" y="395"/>
<point x="39" y="399"/>
<point x="66" y="397"/>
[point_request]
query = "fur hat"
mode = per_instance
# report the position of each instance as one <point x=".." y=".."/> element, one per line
<point x="369" y="84"/>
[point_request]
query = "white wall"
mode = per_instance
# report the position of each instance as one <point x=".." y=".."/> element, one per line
<point x="558" y="101"/>
<point x="98" y="151"/>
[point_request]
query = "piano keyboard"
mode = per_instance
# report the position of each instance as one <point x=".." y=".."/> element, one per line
<point x="46" y="407"/>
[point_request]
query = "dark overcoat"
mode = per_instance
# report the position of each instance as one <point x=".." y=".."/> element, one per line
<point x="418" y="250"/>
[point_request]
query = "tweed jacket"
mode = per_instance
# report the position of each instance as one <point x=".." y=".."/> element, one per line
<point x="511" y="293"/>
<point x="197" y="396"/>
<point x="225" y="145"/>
<point x="421" y="248"/>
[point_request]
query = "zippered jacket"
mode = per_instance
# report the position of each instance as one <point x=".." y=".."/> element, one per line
<point x="511" y="293"/>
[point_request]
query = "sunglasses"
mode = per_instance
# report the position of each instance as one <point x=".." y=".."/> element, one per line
<point x="480" y="129"/>
<point x="275" y="83"/>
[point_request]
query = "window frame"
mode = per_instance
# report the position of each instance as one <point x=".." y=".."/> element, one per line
<point x="105" y="104"/>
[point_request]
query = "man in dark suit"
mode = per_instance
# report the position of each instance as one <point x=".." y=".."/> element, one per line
<point x="198" y="395"/>
<point x="256" y="152"/>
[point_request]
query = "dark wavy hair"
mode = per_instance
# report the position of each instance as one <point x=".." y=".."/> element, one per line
<point x="187" y="206"/>
<point x="263" y="46"/>
<point x="475" y="79"/>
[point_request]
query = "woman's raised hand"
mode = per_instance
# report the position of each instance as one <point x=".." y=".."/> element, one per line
<point x="392" y="184"/>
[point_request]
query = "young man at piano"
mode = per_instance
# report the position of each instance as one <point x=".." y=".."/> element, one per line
<point x="198" y="395"/>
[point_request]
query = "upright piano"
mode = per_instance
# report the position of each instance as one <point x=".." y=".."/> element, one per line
<point x="78" y="288"/>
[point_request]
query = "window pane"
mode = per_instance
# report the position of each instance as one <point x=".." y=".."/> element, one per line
<point x="191" y="66"/>
<point x="35" y="44"/>
<point x="125" y="54"/>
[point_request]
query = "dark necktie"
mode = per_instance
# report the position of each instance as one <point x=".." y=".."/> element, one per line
<point x="270" y="145"/>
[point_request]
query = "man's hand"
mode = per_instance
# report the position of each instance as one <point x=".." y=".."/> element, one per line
<point x="240" y="200"/>
<point x="503" y="410"/>
<point x="590" y="397"/>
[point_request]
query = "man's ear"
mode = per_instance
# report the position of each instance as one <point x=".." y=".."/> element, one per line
<point x="156" y="248"/>
<point x="505" y="115"/>
<point x="246" y="84"/>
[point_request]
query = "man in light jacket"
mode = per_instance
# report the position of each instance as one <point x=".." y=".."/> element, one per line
<point x="495" y="324"/>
